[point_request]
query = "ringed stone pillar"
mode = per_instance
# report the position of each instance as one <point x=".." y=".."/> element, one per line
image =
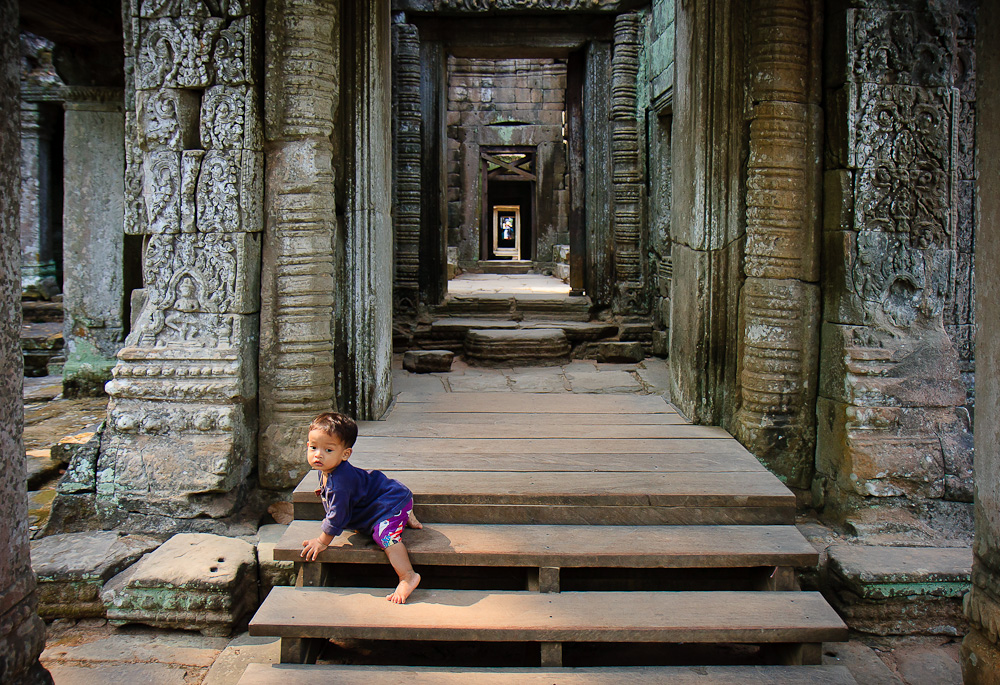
<point x="779" y="302"/>
<point x="93" y="212"/>
<point x="302" y="233"/>
<point x="629" y="191"/>
<point x="182" y="426"/>
<point x="981" y="647"/>
<point x="22" y="633"/>
<point x="37" y="258"/>
<point x="407" y="163"/>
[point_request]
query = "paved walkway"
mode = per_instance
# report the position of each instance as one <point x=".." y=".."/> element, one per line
<point x="91" y="652"/>
<point x="469" y="284"/>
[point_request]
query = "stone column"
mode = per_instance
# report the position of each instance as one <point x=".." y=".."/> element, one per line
<point x="302" y="237"/>
<point x="981" y="647"/>
<point x="37" y="261"/>
<point x="93" y="212"/>
<point x="22" y="633"/>
<point x="893" y="429"/>
<point x="366" y="385"/>
<point x="407" y="163"/>
<point x="630" y="263"/>
<point x="182" y="426"/>
<point x="779" y="302"/>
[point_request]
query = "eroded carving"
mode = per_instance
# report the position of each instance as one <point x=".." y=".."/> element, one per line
<point x="903" y="126"/>
<point x="227" y="119"/>
<point x="913" y="48"/>
<point x="161" y="173"/>
<point x="232" y="56"/>
<point x="176" y="53"/>
<point x="168" y="119"/>
<point x="551" y="5"/>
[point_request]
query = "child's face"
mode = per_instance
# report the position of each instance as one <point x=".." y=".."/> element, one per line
<point x="325" y="452"/>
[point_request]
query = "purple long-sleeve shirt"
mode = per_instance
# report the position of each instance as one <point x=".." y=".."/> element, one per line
<point x="356" y="499"/>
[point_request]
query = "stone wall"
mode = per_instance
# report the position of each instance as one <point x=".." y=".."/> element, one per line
<point x="22" y="633"/>
<point x="506" y="102"/>
<point x="894" y="428"/>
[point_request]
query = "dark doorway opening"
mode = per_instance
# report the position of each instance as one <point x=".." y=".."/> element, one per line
<point x="509" y="208"/>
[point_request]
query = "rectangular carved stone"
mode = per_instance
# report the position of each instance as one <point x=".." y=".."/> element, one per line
<point x="900" y="47"/>
<point x="229" y="119"/>
<point x="901" y="126"/>
<point x="233" y="57"/>
<point x="161" y="190"/>
<point x="229" y="191"/>
<point x="168" y="119"/>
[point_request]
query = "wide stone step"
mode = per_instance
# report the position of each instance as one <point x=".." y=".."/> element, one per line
<point x="521" y="346"/>
<point x="571" y="546"/>
<point x="527" y="305"/>
<point x="576" y="331"/>
<point x="741" y="497"/>
<point x="299" y="674"/>
<point x="792" y="618"/>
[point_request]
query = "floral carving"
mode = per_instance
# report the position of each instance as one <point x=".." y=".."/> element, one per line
<point x="230" y="56"/>
<point x="903" y="126"/>
<point x="225" y="117"/>
<point x="902" y="47"/>
<point x="218" y="193"/>
<point x="161" y="189"/>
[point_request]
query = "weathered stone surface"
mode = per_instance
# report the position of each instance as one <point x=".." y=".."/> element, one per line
<point x="73" y="568"/>
<point x="22" y="633"/>
<point x="194" y="581"/>
<point x="428" y="361"/>
<point x="900" y="590"/>
<point x="620" y="352"/>
<point x="272" y="573"/>
<point x="542" y="345"/>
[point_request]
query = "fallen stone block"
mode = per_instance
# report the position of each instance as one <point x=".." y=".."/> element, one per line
<point x="620" y="352"/>
<point x="73" y="568"/>
<point x="194" y="581"/>
<point x="900" y="590"/>
<point x="428" y="361"/>
<point x="272" y="573"/>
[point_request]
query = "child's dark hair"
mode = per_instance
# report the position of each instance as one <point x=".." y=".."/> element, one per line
<point x="339" y="425"/>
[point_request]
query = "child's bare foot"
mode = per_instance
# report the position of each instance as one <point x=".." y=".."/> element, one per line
<point x="407" y="584"/>
<point x="412" y="521"/>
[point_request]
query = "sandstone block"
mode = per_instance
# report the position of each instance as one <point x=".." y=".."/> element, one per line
<point x="521" y="346"/>
<point x="620" y="352"/>
<point x="72" y="569"/>
<point x="900" y="590"/>
<point x="272" y="573"/>
<point x="194" y="581"/>
<point x="428" y="361"/>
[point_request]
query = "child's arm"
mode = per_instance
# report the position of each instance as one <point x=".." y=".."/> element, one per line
<point x="313" y="547"/>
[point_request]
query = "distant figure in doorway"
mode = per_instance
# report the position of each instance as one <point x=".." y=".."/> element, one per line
<point x="356" y="499"/>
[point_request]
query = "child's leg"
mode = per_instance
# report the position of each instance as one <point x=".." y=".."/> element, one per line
<point x="412" y="521"/>
<point x="408" y="578"/>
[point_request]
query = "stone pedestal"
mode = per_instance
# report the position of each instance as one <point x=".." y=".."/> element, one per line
<point x="93" y="210"/>
<point x="22" y="633"/>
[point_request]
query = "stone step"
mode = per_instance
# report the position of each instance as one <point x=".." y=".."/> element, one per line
<point x="299" y="674"/>
<point x="449" y="328"/>
<point x="520" y="305"/>
<point x="605" y="498"/>
<point x="504" y="266"/>
<point x="442" y="544"/>
<point x="793" y="619"/>
<point x="520" y="346"/>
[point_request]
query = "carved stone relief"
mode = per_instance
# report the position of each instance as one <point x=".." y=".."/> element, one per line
<point x="546" y="5"/>
<point x="407" y="163"/>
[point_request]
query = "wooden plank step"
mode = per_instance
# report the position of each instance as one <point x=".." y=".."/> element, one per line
<point x="571" y="546"/>
<point x="471" y="615"/>
<point x="522" y="402"/>
<point x="297" y="674"/>
<point x="726" y="489"/>
<point x="716" y="445"/>
<point x="412" y="416"/>
<point x="516" y="429"/>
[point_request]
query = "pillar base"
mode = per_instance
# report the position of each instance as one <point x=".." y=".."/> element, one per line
<point x="980" y="660"/>
<point x="22" y="638"/>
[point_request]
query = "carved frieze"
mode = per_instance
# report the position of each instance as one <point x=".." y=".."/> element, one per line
<point x="543" y="5"/>
<point x="156" y="9"/>
<point x="902" y="126"/>
<point x="175" y="53"/>
<point x="168" y="119"/>
<point x="233" y="57"/>
<point x="230" y="189"/>
<point x="913" y="48"/>
<point x="161" y="181"/>
<point x="909" y="201"/>
<point x="229" y="119"/>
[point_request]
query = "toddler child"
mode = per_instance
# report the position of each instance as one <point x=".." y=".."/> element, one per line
<point x="357" y="499"/>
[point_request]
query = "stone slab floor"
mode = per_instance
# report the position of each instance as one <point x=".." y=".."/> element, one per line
<point x="470" y="284"/>
<point x="91" y="652"/>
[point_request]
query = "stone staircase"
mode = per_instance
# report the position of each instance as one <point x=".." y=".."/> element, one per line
<point x="524" y="329"/>
<point x="566" y="539"/>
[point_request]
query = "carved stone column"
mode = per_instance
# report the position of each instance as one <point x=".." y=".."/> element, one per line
<point x="366" y="317"/>
<point x="22" y="633"/>
<point x="93" y="211"/>
<point x="181" y="434"/>
<point x="981" y="647"/>
<point x="407" y="163"/>
<point x="37" y="260"/>
<point x="302" y="236"/>
<point x="626" y="170"/>
<point x="779" y="303"/>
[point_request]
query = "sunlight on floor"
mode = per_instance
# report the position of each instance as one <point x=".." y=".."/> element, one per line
<point x="470" y="284"/>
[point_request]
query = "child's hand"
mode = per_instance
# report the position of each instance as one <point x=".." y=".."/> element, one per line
<point x="312" y="548"/>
